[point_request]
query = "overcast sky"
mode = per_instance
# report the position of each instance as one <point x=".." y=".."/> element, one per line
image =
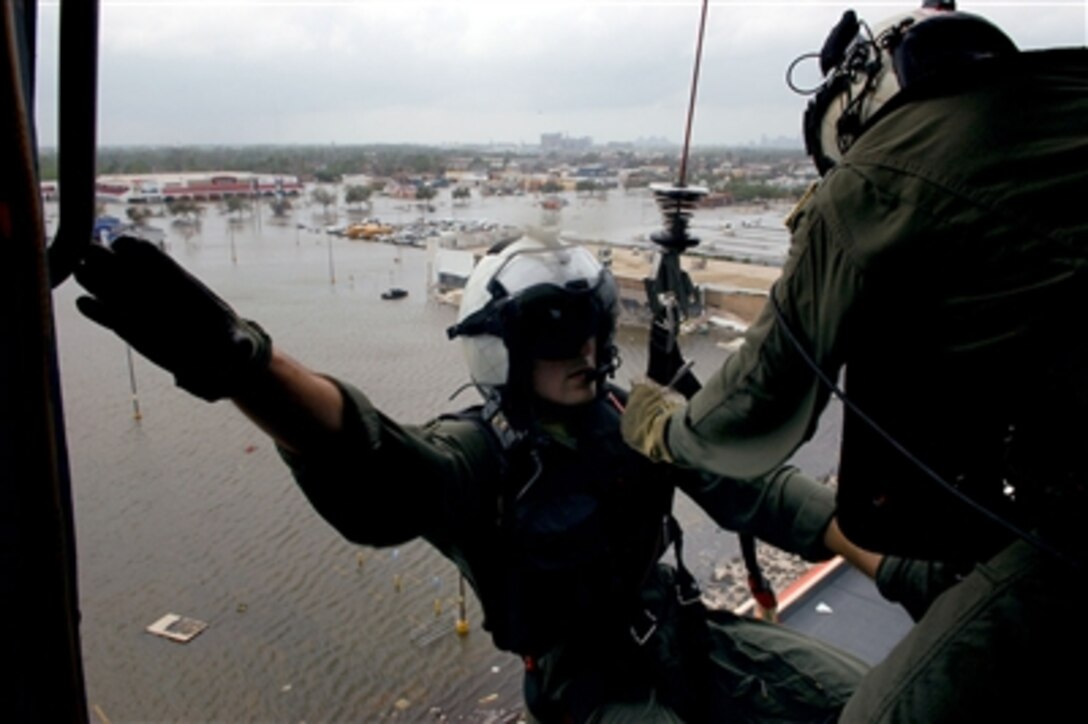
<point x="461" y="71"/>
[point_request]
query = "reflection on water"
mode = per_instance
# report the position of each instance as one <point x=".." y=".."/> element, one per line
<point x="190" y="510"/>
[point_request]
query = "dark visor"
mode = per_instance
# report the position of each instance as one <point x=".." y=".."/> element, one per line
<point x="555" y="323"/>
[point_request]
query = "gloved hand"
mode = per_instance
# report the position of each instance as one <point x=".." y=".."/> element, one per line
<point x="914" y="584"/>
<point x="666" y="361"/>
<point x="645" y="419"/>
<point x="171" y="318"/>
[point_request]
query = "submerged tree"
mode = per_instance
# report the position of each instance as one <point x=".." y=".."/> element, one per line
<point x="237" y="205"/>
<point x="585" y="186"/>
<point x="424" y="194"/>
<point x="186" y="210"/>
<point x="461" y="193"/>
<point x="358" y="195"/>
<point x="139" y="215"/>
<point x="280" y="205"/>
<point x="324" y="198"/>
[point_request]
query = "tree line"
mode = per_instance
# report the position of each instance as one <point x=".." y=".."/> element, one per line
<point x="329" y="163"/>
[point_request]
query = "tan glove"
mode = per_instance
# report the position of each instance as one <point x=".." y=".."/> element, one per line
<point x="645" y="420"/>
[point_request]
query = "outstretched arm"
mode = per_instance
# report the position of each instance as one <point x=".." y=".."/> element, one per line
<point x="339" y="447"/>
<point x="173" y="319"/>
<point x="297" y="407"/>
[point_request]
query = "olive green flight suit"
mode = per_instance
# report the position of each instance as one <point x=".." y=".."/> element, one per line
<point x="600" y="621"/>
<point x="940" y="270"/>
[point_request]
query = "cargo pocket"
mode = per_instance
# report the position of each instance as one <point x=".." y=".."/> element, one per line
<point x="762" y="672"/>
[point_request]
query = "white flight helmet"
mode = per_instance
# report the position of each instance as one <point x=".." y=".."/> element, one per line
<point x="530" y="299"/>
<point x="865" y="68"/>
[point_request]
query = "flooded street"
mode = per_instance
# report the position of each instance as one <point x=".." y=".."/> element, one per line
<point x="190" y="510"/>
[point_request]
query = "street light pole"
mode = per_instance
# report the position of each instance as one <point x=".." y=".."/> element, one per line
<point x="332" y="268"/>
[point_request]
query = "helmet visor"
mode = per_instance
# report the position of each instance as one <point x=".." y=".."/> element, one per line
<point x="555" y="300"/>
<point x="546" y="303"/>
<point x="555" y="323"/>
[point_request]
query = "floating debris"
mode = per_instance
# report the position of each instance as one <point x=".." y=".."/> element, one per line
<point x="822" y="607"/>
<point x="177" y="628"/>
<point x="101" y="714"/>
<point x="489" y="698"/>
<point x="402" y="704"/>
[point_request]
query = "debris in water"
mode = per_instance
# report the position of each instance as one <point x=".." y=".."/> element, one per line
<point x="242" y="607"/>
<point x="822" y="607"/>
<point x="495" y="669"/>
<point x="177" y="628"/>
<point x="285" y="688"/>
<point x="249" y="448"/>
<point x="101" y="714"/>
<point x="489" y="698"/>
<point x="402" y="704"/>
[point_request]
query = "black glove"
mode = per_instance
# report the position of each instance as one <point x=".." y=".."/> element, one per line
<point x="171" y="318"/>
<point x="666" y="361"/>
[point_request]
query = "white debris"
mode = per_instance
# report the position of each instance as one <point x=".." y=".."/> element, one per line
<point x="177" y="628"/>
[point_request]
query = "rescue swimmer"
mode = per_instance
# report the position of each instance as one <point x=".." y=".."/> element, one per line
<point x="558" y="526"/>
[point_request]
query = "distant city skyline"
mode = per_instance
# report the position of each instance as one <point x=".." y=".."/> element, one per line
<point x="177" y="72"/>
<point x="785" y="143"/>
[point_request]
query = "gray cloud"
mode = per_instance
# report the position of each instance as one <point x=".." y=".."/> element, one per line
<point x="345" y="72"/>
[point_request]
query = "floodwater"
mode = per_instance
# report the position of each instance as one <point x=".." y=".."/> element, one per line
<point x="189" y="510"/>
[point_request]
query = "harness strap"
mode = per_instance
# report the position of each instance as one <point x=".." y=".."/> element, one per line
<point x="687" y="588"/>
<point x="762" y="591"/>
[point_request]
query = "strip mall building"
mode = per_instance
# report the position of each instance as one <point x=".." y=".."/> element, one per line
<point x="164" y="188"/>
